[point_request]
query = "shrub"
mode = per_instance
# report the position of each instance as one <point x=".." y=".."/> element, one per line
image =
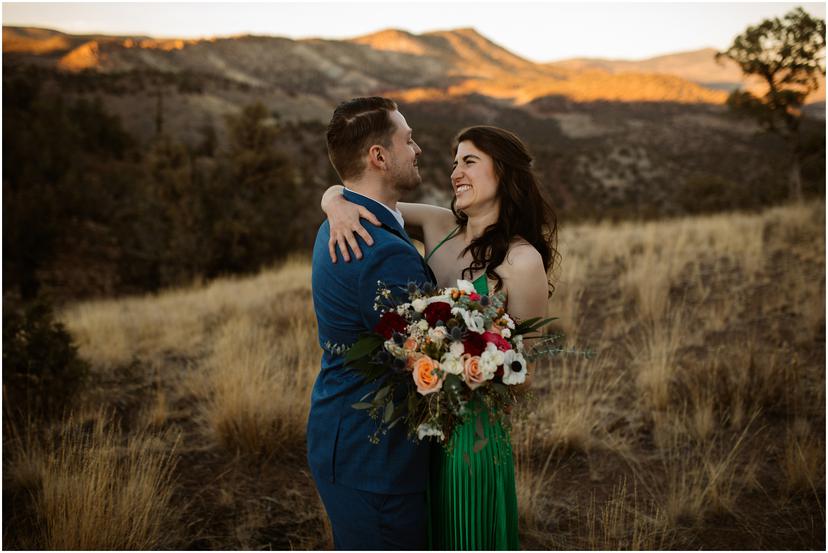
<point x="41" y="368"/>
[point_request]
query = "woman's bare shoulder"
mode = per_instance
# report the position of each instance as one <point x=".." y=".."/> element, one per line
<point x="522" y="256"/>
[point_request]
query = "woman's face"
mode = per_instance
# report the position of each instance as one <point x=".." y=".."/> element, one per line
<point x="474" y="180"/>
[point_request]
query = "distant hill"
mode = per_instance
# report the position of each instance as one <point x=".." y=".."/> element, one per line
<point x="698" y="66"/>
<point x="448" y="63"/>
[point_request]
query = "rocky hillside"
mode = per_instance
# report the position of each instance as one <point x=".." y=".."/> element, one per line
<point x="607" y="134"/>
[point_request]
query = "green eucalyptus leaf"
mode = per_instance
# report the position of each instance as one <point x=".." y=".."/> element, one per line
<point x="363" y="347"/>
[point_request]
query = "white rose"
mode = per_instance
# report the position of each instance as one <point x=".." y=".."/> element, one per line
<point x="490" y="360"/>
<point x="452" y="364"/>
<point x="510" y="376"/>
<point x="445" y="298"/>
<point x="419" y="305"/>
<point x="423" y="325"/>
<point x="426" y="429"/>
<point x="492" y="350"/>
<point x="466" y="286"/>
<point x="518" y="340"/>
<point x="506" y="333"/>
<point x="457" y="349"/>
<point x="474" y="320"/>
<point x="392" y="348"/>
<point x="438" y="334"/>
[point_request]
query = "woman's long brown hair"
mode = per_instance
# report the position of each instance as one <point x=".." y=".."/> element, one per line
<point x="524" y="212"/>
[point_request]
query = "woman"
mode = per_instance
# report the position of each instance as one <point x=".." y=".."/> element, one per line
<point x="501" y="235"/>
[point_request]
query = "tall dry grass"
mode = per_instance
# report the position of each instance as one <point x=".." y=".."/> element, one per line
<point x="707" y="393"/>
<point x="95" y="489"/>
<point x="698" y="371"/>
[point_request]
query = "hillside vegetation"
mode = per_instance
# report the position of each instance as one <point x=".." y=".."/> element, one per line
<point x="699" y="424"/>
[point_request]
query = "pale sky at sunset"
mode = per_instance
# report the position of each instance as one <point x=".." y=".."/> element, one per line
<point x="538" y="31"/>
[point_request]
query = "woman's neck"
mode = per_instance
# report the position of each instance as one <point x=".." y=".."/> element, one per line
<point x="476" y="225"/>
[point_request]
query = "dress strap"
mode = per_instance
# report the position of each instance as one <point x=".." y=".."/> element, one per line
<point x="450" y="235"/>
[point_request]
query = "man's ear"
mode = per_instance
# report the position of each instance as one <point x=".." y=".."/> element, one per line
<point x="377" y="155"/>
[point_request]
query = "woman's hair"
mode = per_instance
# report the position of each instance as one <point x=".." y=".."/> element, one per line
<point x="524" y="212"/>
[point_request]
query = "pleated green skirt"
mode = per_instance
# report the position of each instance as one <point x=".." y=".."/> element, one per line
<point x="471" y="497"/>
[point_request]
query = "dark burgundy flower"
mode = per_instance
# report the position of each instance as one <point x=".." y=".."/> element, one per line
<point x="474" y="344"/>
<point x="437" y="311"/>
<point x="390" y="322"/>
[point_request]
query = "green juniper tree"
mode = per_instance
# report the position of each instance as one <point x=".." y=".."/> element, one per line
<point x="788" y="55"/>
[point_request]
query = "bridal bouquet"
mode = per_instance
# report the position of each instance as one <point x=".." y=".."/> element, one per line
<point x="447" y="347"/>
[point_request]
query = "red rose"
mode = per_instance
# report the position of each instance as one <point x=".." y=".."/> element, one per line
<point x="474" y="296"/>
<point x="474" y="344"/>
<point x="437" y="311"/>
<point x="390" y="322"/>
<point x="497" y="340"/>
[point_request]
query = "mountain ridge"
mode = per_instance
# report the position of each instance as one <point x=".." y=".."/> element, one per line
<point x="454" y="62"/>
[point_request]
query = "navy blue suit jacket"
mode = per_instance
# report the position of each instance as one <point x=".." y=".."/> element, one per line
<point x="339" y="449"/>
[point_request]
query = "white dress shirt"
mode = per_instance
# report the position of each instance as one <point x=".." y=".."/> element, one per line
<point x="395" y="212"/>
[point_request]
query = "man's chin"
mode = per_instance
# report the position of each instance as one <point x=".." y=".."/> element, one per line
<point x="409" y="185"/>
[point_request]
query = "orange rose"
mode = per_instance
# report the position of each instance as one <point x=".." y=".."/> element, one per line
<point x="410" y="344"/>
<point x="425" y="375"/>
<point x="472" y="373"/>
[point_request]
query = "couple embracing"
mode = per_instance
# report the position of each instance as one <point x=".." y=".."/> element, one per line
<point x="500" y="234"/>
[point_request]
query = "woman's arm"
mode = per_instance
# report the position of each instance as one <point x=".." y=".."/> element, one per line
<point x="344" y="217"/>
<point x="435" y="221"/>
<point x="524" y="280"/>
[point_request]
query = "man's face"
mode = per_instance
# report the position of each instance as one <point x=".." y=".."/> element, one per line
<point x="404" y="175"/>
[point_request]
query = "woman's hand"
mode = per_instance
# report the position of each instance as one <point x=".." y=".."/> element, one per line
<point x="344" y="218"/>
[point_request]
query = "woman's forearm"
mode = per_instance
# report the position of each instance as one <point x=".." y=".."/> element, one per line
<point x="330" y="194"/>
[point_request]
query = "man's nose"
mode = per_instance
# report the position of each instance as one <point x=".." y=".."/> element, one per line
<point x="417" y="150"/>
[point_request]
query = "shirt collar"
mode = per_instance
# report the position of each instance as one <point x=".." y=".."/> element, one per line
<point x="395" y="212"/>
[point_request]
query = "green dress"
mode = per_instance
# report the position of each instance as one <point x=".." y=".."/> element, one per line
<point x="472" y="504"/>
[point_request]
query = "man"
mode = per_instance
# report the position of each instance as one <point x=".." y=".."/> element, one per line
<point x="374" y="494"/>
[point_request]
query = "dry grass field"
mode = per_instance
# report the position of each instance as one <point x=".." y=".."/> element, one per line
<point x="699" y="424"/>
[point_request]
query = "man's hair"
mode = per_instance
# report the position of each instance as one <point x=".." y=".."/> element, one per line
<point x="355" y="126"/>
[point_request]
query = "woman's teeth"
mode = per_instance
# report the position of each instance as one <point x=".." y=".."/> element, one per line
<point x="462" y="188"/>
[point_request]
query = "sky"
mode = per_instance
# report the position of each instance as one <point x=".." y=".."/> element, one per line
<point x="539" y="31"/>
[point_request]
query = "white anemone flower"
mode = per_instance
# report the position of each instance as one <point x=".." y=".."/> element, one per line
<point x="511" y="376"/>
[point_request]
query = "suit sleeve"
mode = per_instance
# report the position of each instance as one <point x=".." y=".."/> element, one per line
<point x="394" y="264"/>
